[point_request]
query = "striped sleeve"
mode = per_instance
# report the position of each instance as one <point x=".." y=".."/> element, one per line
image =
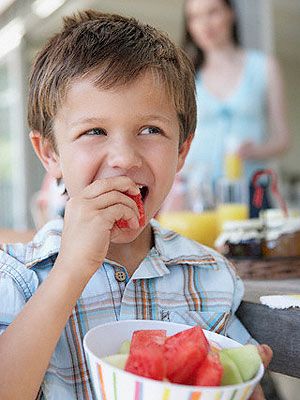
<point x="11" y="301"/>
<point x="235" y="329"/>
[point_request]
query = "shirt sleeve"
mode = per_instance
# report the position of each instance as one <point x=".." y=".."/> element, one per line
<point x="11" y="300"/>
<point x="235" y="329"/>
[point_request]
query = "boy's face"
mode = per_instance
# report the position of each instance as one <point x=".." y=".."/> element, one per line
<point x="130" y="130"/>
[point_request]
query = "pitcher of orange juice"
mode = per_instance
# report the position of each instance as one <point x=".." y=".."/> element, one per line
<point x="232" y="189"/>
<point x="189" y="208"/>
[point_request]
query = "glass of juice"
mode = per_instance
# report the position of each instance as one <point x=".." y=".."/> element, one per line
<point x="231" y="212"/>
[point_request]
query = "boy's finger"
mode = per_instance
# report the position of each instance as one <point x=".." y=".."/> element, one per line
<point x="258" y="394"/>
<point x="122" y="212"/>
<point x="114" y="198"/>
<point x="120" y="183"/>
<point x="265" y="353"/>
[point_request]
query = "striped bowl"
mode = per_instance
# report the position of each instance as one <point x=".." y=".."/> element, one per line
<point x="111" y="383"/>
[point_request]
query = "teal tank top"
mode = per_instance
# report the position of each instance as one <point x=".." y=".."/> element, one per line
<point x="242" y="114"/>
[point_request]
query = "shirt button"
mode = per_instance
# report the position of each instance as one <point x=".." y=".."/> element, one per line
<point x="120" y="276"/>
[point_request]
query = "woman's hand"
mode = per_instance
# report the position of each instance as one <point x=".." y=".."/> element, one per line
<point x="249" y="151"/>
<point x="266" y="355"/>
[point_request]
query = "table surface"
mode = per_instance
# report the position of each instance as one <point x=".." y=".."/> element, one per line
<point x="256" y="288"/>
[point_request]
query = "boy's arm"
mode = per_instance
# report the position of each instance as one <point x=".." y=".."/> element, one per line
<point x="235" y="329"/>
<point x="29" y="341"/>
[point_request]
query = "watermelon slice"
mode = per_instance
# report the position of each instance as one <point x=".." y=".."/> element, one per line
<point x="147" y="337"/>
<point x="122" y="223"/>
<point x="184" y="352"/>
<point x="146" y="357"/>
<point x="210" y="371"/>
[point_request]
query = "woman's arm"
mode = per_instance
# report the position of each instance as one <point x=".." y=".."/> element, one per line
<point x="278" y="141"/>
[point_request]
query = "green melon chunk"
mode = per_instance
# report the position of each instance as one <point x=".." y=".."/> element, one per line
<point x="117" y="360"/>
<point x="231" y="375"/>
<point x="125" y="347"/>
<point x="247" y="360"/>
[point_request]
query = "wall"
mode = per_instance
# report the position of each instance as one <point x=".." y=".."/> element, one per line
<point x="286" y="17"/>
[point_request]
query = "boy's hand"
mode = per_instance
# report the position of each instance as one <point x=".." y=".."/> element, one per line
<point x="90" y="222"/>
<point x="266" y="355"/>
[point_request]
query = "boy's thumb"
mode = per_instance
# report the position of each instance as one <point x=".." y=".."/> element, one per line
<point x="265" y="353"/>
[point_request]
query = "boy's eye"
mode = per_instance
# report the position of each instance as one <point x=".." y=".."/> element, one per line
<point x="96" y="132"/>
<point x="151" y="130"/>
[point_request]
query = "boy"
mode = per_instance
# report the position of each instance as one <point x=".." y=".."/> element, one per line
<point x="112" y="113"/>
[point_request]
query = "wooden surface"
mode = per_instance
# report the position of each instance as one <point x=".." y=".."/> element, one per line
<point x="14" y="236"/>
<point x="280" y="268"/>
<point x="255" y="289"/>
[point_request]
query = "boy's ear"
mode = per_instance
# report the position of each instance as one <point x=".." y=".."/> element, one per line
<point x="183" y="151"/>
<point x="46" y="153"/>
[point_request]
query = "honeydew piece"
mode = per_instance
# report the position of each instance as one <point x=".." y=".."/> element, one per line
<point x="125" y="347"/>
<point x="246" y="358"/>
<point x="231" y="375"/>
<point x="214" y="347"/>
<point x="117" y="360"/>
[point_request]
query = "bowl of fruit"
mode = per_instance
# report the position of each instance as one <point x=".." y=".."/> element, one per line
<point x="151" y="360"/>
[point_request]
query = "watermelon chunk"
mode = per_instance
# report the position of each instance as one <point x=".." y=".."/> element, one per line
<point x="146" y="357"/>
<point x="122" y="223"/>
<point x="144" y="338"/>
<point x="184" y="352"/>
<point x="210" y="371"/>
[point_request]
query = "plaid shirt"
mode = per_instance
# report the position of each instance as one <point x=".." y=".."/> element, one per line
<point x="179" y="281"/>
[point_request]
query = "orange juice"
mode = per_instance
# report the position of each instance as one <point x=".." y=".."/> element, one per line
<point x="233" y="166"/>
<point x="231" y="211"/>
<point x="201" y="227"/>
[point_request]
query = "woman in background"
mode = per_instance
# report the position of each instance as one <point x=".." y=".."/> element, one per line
<point x="239" y="94"/>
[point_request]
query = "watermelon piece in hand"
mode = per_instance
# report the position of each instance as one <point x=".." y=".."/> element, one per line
<point x="184" y="352"/>
<point x="122" y="223"/>
<point x="146" y="357"/>
<point x="210" y="371"/>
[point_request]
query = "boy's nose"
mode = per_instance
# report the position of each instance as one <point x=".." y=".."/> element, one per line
<point x="123" y="154"/>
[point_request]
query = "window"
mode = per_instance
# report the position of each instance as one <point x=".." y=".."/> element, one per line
<point x="12" y="158"/>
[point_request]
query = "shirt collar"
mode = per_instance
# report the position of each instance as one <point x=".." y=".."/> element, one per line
<point x="176" y="249"/>
<point x="45" y="243"/>
<point x="169" y="249"/>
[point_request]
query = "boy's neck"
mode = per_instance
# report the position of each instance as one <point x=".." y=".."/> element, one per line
<point x="130" y="255"/>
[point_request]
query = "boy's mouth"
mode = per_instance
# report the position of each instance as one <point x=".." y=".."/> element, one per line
<point x="144" y="191"/>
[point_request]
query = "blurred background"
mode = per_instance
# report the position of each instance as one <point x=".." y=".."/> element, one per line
<point x="269" y="25"/>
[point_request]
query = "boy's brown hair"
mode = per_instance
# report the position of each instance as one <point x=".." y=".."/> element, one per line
<point x="116" y="50"/>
